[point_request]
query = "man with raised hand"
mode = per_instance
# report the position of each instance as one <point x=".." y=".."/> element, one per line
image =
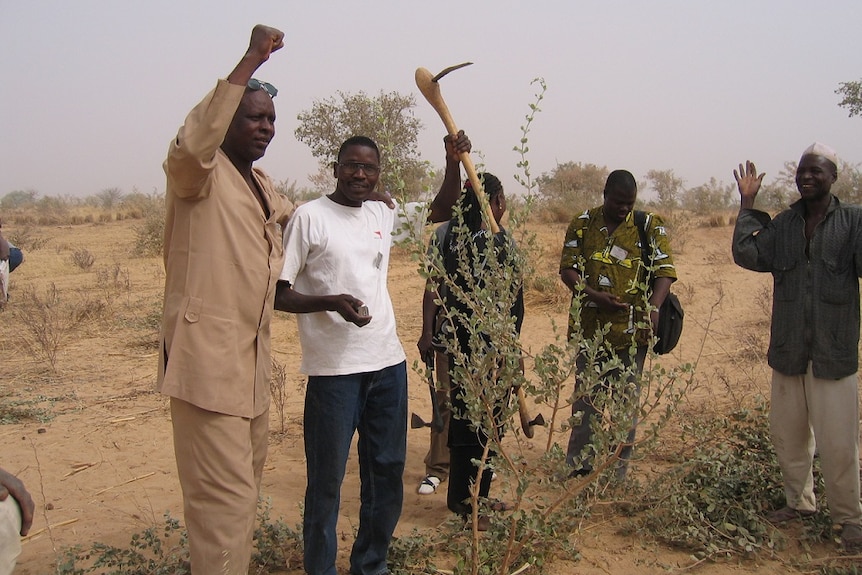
<point x="813" y="250"/>
<point x="437" y="459"/>
<point x="223" y="254"/>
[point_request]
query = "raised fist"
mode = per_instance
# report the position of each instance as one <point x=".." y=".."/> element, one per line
<point x="264" y="41"/>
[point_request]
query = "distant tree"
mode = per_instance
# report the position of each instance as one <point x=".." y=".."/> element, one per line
<point x="18" y="199"/>
<point x="667" y="186"/>
<point x="852" y="94"/>
<point x="137" y="204"/>
<point x="709" y="197"/>
<point x="55" y="203"/>
<point x="386" y="118"/>
<point x="322" y="180"/>
<point x="787" y="177"/>
<point x="136" y="199"/>
<point x="571" y="188"/>
<point x="294" y="193"/>
<point x="109" y="198"/>
<point x="774" y="196"/>
<point x="848" y="187"/>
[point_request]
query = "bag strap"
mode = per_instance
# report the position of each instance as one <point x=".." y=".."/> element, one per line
<point x="640" y="218"/>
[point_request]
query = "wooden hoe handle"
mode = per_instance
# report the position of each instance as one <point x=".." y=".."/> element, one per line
<point x="431" y="90"/>
<point x="526" y="420"/>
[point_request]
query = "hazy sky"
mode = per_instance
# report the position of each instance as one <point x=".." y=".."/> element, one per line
<point x="92" y="91"/>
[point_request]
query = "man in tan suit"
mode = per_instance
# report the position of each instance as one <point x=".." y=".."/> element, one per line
<point x="223" y="255"/>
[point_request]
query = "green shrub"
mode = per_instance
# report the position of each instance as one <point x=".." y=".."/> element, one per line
<point x="155" y="551"/>
<point x="714" y="503"/>
<point x="165" y="551"/>
<point x="277" y="546"/>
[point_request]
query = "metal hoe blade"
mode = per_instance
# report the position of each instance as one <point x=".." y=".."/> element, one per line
<point x="449" y="69"/>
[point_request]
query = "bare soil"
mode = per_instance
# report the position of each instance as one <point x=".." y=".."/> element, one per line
<point x="101" y="467"/>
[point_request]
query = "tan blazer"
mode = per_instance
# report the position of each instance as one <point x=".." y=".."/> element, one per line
<point x="223" y="255"/>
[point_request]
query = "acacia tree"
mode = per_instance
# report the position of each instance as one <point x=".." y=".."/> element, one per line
<point x="109" y="198"/>
<point x="18" y="199"/>
<point x="571" y="188"/>
<point x="713" y="195"/>
<point x="852" y="94"/>
<point x="386" y="118"/>
<point x="848" y="187"/>
<point x="667" y="187"/>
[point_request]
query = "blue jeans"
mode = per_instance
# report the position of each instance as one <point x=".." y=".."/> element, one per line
<point x="374" y="403"/>
<point x="16" y="256"/>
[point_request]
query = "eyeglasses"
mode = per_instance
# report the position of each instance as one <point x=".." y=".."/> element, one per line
<point x="256" y="84"/>
<point x="353" y="167"/>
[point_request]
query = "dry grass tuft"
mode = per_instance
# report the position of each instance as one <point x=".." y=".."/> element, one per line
<point x="679" y="224"/>
<point x="47" y="321"/>
<point x="546" y="291"/>
<point x="82" y="259"/>
<point x="27" y="238"/>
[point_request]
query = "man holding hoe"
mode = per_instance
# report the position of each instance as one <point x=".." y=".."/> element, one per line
<point x="437" y="458"/>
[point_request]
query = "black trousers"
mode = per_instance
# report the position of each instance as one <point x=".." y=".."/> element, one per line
<point x="462" y="474"/>
<point x="466" y="444"/>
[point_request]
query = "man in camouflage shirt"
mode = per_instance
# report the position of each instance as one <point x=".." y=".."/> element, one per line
<point x="601" y="262"/>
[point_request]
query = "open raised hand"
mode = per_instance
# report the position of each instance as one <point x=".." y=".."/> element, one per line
<point x="748" y="182"/>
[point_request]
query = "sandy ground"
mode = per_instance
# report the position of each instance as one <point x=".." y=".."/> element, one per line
<point x="102" y="468"/>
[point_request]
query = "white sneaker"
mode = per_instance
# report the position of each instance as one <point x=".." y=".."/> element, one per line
<point x="429" y="485"/>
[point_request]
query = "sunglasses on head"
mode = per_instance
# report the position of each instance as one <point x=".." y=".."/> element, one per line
<point x="256" y="84"/>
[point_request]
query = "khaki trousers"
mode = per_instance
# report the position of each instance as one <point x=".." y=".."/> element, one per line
<point x="10" y="537"/>
<point x="437" y="458"/>
<point x="220" y="463"/>
<point x="806" y="409"/>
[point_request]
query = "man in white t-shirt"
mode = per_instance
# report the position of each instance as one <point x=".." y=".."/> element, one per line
<point x="334" y="277"/>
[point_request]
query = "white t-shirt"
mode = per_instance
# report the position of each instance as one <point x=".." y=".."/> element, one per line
<point x="332" y="249"/>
